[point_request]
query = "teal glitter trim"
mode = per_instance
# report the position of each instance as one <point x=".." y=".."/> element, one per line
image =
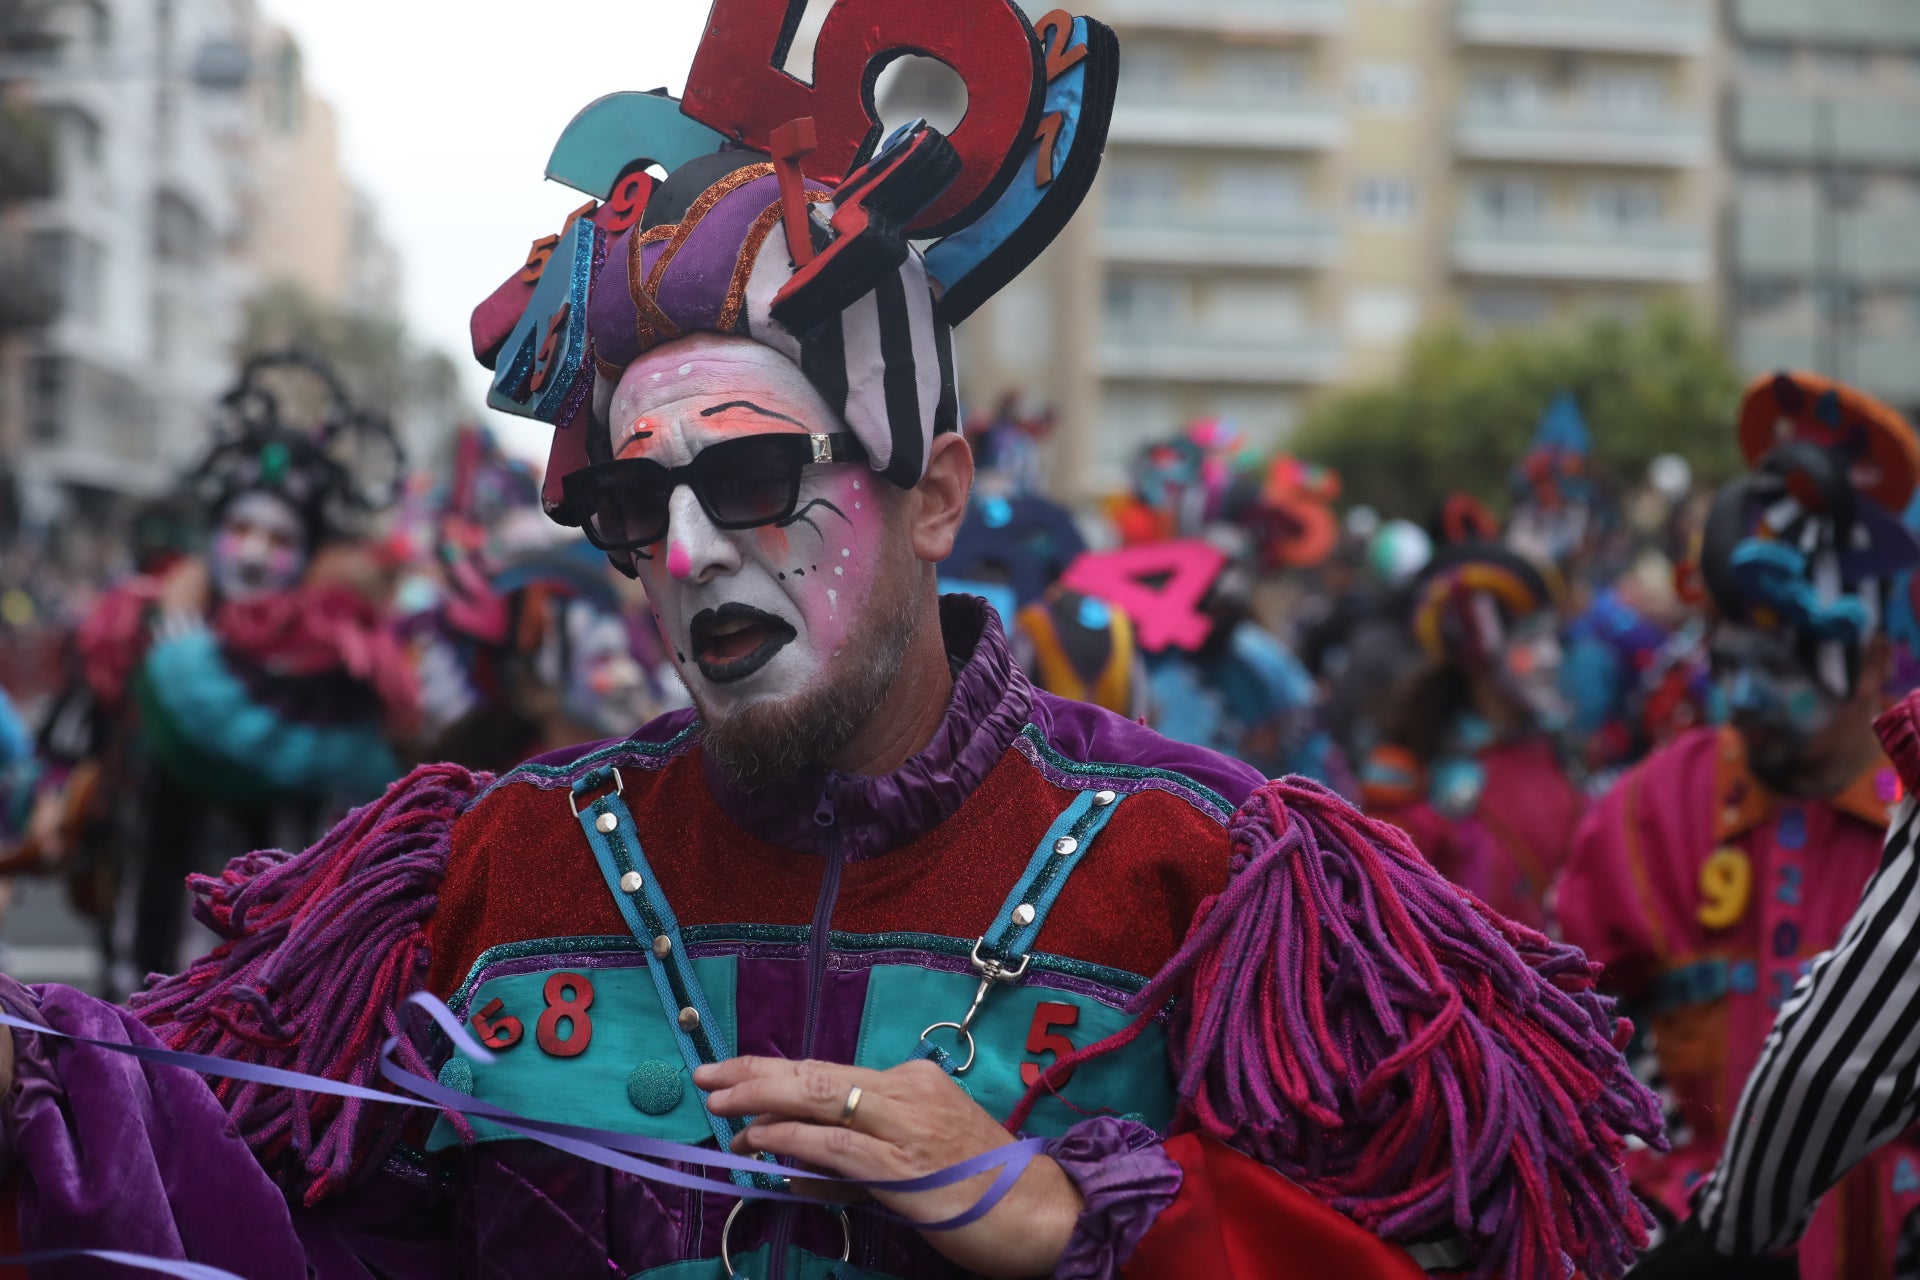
<point x="655" y="1088"/>
<point x="784" y="936"/>
<point x="937" y="944"/>
<point x="457" y="1075"/>
<point x="535" y="947"/>
<point x="555" y="772"/>
<point x="1127" y="771"/>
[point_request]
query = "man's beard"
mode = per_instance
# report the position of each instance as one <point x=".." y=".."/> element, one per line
<point x="759" y="743"/>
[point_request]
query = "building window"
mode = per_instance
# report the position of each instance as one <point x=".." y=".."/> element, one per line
<point x="1507" y="94"/>
<point x="1144" y="187"/>
<point x="1144" y="303"/>
<point x="1385" y="86"/>
<point x="1761" y="298"/>
<point x="1846" y="64"/>
<point x="1772" y="61"/>
<point x="1625" y="205"/>
<point x="1151" y="72"/>
<point x="1259" y="74"/>
<point x="1506" y="306"/>
<point x="180" y="233"/>
<point x="1385" y="199"/>
<point x="1247" y="191"/>
<point x="79" y="264"/>
<point x="1246" y="309"/>
<point x="1626" y="93"/>
<point x="47" y="397"/>
<point x="1772" y="186"/>
<point x="1508" y="201"/>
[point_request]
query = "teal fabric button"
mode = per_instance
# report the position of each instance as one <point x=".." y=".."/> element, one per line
<point x="457" y="1075"/>
<point x="655" y="1088"/>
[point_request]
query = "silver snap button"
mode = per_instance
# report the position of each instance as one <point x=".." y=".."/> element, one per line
<point x="1065" y="845"/>
<point x="689" y="1019"/>
<point x="663" y="946"/>
<point x="608" y="824"/>
<point x="631" y="882"/>
<point x="1023" y="914"/>
<point x="1104" y="798"/>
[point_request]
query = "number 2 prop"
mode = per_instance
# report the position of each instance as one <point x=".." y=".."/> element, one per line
<point x="738" y="87"/>
<point x="1160" y="587"/>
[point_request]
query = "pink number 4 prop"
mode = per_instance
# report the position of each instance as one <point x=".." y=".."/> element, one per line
<point x="1160" y="587"/>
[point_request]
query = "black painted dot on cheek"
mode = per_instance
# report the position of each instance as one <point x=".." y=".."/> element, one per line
<point x="681" y="656"/>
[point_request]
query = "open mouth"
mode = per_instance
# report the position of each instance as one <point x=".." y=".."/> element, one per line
<point x="734" y="641"/>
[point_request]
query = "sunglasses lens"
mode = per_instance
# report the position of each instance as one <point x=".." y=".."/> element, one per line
<point x="626" y="510"/>
<point x="752" y="482"/>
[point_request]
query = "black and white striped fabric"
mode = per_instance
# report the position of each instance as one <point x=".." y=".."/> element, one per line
<point x="1840" y="1073"/>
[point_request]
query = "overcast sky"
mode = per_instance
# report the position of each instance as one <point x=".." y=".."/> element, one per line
<point x="448" y="109"/>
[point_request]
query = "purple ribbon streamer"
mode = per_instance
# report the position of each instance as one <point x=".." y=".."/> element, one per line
<point x="604" y="1147"/>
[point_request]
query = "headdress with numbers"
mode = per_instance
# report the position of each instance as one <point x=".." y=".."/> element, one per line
<point x="1813" y="541"/>
<point x="786" y="217"/>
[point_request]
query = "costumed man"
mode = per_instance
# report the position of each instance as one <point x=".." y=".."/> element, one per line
<point x="1470" y="767"/>
<point x="1711" y="877"/>
<point x="876" y="905"/>
<point x="255" y="686"/>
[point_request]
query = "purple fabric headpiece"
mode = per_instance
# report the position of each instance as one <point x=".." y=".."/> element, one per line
<point x="885" y="364"/>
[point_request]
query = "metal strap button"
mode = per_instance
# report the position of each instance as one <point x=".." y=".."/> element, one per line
<point x="607" y="823"/>
<point x="631" y="882"/>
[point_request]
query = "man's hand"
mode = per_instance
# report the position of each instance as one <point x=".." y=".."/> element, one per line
<point x="911" y="1121"/>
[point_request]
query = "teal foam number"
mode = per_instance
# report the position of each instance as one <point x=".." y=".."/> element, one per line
<point x="614" y="134"/>
<point x="544" y="358"/>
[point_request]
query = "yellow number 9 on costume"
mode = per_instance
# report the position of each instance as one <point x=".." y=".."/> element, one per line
<point x="1726" y="883"/>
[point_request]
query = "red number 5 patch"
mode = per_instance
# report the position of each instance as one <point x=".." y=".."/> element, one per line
<point x="1042" y="1038"/>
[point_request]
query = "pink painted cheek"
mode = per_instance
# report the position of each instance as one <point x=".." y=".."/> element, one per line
<point x="679" y="561"/>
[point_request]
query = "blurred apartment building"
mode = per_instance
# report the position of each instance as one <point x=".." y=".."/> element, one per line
<point x="1294" y="188"/>
<point x="190" y="166"/>
<point x="1823" y="230"/>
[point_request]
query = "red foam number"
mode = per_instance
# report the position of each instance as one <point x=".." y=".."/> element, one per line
<point x="497" y="1032"/>
<point x="1056" y="29"/>
<point x="573" y="1008"/>
<point x="1161" y="587"/>
<point x="739" y="87"/>
<point x="1041" y="1038"/>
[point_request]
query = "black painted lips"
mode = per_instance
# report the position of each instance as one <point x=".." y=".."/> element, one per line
<point x="779" y="634"/>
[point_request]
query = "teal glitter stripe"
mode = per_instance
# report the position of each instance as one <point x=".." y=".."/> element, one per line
<point x="1131" y="772"/>
<point x="652" y="753"/>
<point x="781" y="935"/>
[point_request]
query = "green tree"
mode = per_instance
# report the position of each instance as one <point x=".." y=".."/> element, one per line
<point x="1465" y="408"/>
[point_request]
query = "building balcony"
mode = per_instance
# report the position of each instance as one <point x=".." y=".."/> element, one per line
<point x="29" y="291"/>
<point x="1882" y="365"/>
<point x="1214" y="119"/>
<point x="1250" y="17"/>
<point x="1798" y="242"/>
<point x="1658" y="254"/>
<point x="1186" y="355"/>
<point x="1795" y="21"/>
<point x="1682" y="28"/>
<point x="1805" y="129"/>
<point x="1183" y="238"/>
<point x="26" y="155"/>
<point x="1581" y="134"/>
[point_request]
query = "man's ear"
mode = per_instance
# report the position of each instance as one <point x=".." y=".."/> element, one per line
<point x="938" y="504"/>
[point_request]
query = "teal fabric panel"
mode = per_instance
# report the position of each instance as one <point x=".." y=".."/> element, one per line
<point x="752" y="1265"/>
<point x="629" y="1029"/>
<point x="1135" y="1081"/>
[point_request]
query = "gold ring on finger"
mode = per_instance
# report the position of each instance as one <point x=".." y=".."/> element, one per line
<point x="852" y="1105"/>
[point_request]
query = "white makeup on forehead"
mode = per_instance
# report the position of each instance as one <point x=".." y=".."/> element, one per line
<point x="670" y="385"/>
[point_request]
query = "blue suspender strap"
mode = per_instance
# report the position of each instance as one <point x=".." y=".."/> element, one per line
<point x="1006" y="948"/>
<point x="1009" y="941"/>
<point x="610" y="829"/>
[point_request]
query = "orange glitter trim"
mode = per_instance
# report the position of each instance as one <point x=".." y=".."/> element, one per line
<point x="651" y="325"/>
<point x="712" y="196"/>
<point x="749" y="254"/>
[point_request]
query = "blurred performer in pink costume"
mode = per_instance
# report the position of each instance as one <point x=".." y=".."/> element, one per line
<point x="1711" y="877"/>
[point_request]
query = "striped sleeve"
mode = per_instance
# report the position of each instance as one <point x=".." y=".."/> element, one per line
<point x="1840" y="1073"/>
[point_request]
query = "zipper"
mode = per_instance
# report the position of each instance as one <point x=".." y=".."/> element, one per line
<point x="818" y="939"/>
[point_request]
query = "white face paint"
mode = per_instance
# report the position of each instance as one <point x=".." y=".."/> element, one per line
<point x="605" y="687"/>
<point x="759" y="616"/>
<point x="260" y="548"/>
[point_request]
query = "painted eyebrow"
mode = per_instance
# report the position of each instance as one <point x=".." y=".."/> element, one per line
<point x="750" y="405"/>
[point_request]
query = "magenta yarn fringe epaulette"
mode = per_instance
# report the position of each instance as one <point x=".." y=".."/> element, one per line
<point x="1425" y="1066"/>
<point x="321" y="950"/>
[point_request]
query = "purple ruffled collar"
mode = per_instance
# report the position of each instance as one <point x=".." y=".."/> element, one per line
<point x="875" y="814"/>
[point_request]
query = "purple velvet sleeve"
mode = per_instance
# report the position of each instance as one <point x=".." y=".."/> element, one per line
<point x="115" y="1153"/>
<point x="1126" y="1177"/>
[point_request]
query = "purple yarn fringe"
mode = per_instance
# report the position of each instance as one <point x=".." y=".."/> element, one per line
<point x="321" y="951"/>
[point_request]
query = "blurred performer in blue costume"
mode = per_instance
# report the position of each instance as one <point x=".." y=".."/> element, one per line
<point x="248" y="695"/>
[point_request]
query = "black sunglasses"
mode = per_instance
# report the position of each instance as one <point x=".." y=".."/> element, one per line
<point x="741" y="484"/>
